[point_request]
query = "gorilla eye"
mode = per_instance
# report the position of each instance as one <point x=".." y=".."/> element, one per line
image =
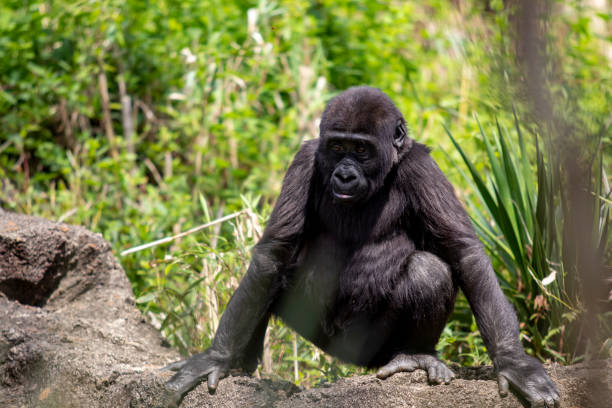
<point x="360" y="148"/>
<point x="337" y="147"/>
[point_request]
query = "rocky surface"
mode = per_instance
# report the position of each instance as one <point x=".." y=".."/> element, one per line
<point x="70" y="336"/>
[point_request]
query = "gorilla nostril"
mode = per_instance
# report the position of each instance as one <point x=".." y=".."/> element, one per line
<point x="345" y="178"/>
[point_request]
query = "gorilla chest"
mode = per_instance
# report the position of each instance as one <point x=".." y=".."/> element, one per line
<point x="332" y="272"/>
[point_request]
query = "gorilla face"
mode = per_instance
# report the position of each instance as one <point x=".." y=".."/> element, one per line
<point x="362" y="137"/>
<point x="352" y="157"/>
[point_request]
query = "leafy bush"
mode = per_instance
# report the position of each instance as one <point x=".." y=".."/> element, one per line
<point x="523" y="223"/>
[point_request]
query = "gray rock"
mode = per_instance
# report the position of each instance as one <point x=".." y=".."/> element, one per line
<point x="50" y="264"/>
<point x="70" y="336"/>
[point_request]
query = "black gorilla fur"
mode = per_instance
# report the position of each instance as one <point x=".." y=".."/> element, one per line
<point x="363" y="255"/>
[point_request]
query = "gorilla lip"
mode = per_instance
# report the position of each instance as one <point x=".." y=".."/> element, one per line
<point x="344" y="197"/>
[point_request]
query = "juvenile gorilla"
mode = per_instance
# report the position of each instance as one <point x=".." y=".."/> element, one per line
<point x="363" y="255"/>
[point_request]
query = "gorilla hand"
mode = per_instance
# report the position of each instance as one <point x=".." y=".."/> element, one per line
<point x="239" y="339"/>
<point x="192" y="371"/>
<point x="526" y="377"/>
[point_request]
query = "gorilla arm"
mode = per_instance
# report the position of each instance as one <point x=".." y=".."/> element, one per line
<point x="449" y="234"/>
<point x="248" y="309"/>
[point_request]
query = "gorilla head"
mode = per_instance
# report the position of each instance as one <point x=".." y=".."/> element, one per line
<point x="363" y="135"/>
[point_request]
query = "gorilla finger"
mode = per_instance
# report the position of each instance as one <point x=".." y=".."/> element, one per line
<point x="382" y="373"/>
<point x="179" y="385"/>
<point x="385" y="372"/>
<point x="502" y="383"/>
<point x="553" y="401"/>
<point x="213" y="381"/>
<point x="435" y="379"/>
<point x="395" y="367"/>
<point x="449" y="375"/>
<point x="440" y="374"/>
<point x="176" y="366"/>
<point x="431" y="374"/>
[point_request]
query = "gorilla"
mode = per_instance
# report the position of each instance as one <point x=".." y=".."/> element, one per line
<point x="363" y="255"/>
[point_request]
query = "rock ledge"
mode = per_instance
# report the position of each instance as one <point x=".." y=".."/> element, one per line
<point x="70" y="336"/>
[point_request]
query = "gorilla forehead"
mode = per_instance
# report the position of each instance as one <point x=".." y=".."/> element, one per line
<point x="361" y="109"/>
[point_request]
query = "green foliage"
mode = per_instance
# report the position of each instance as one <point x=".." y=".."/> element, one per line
<point x="522" y="223"/>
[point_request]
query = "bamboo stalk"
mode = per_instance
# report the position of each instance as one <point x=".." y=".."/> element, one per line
<point x="106" y="113"/>
<point x="295" y="356"/>
<point x="66" y="125"/>
<point x="126" y="114"/>
<point x="266" y="361"/>
<point x="211" y="292"/>
<point x="182" y="234"/>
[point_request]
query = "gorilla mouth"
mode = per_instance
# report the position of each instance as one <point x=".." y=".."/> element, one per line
<point x="344" y="197"/>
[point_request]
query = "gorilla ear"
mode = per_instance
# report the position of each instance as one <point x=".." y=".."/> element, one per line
<point x="400" y="134"/>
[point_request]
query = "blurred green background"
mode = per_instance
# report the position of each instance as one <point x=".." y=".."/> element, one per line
<point x="141" y="119"/>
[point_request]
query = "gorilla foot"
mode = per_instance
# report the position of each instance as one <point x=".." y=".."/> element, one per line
<point x="437" y="371"/>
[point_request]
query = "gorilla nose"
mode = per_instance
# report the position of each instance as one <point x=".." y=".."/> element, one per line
<point x="345" y="176"/>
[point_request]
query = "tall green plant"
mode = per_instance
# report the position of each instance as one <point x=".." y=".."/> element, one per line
<point x="521" y="222"/>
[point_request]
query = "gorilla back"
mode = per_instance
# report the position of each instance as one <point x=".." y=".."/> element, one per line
<point x="363" y="254"/>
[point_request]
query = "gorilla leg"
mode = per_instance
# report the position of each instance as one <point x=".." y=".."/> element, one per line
<point x="426" y="297"/>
